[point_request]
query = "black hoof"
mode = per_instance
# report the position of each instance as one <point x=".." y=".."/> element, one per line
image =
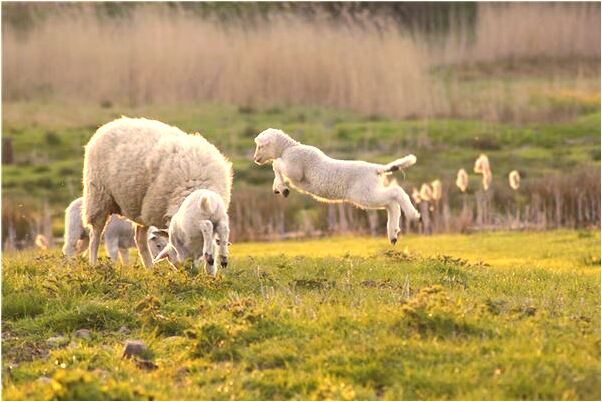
<point x="223" y="262"/>
<point x="209" y="259"/>
<point x="285" y="192"/>
<point x="276" y="192"/>
<point x="393" y="241"/>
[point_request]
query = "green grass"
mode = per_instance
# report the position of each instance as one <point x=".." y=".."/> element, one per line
<point x="487" y="316"/>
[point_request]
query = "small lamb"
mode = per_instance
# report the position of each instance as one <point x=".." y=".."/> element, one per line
<point x="118" y="235"/>
<point x="311" y="171"/>
<point x="191" y="231"/>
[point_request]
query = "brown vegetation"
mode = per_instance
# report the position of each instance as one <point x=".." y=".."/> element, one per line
<point x="167" y="55"/>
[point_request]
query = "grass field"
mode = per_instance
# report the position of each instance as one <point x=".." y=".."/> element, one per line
<point x="488" y="316"/>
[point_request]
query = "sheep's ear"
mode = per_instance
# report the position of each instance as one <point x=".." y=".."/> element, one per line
<point x="162" y="255"/>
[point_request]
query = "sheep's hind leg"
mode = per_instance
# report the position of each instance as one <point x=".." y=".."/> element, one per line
<point x="393" y="215"/>
<point x="142" y="245"/>
<point x="98" y="224"/>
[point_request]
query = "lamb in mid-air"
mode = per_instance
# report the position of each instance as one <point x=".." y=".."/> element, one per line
<point x="311" y="171"/>
<point x="144" y="170"/>
<point x="118" y="235"/>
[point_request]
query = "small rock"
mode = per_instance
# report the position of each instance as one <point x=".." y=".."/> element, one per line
<point x="83" y="333"/>
<point x="171" y="339"/>
<point x="146" y="364"/>
<point x="123" y="330"/>
<point x="57" y="341"/>
<point x="134" y="348"/>
<point x="44" y="379"/>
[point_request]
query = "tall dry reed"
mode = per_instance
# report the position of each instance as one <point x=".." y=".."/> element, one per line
<point x="161" y="55"/>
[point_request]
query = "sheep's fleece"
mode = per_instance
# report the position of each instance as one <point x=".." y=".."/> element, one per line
<point x="144" y="169"/>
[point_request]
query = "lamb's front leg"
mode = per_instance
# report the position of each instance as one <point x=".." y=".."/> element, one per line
<point x="279" y="186"/>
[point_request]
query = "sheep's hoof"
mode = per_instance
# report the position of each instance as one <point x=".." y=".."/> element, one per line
<point x="285" y="192"/>
<point x="209" y="259"/>
<point x="276" y="192"/>
<point x="393" y="241"/>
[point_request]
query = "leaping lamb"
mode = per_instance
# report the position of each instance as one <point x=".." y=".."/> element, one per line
<point x="144" y="170"/>
<point x="311" y="171"/>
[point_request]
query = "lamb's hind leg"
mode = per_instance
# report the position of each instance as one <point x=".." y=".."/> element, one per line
<point x="142" y="245"/>
<point x="393" y="215"/>
<point x="410" y="212"/>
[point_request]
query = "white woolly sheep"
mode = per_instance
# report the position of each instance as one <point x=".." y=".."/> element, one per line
<point x="144" y="170"/>
<point x="311" y="171"/>
<point x="191" y="231"/>
<point x="118" y="235"/>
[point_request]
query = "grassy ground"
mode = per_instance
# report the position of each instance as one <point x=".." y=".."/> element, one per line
<point x="488" y="316"/>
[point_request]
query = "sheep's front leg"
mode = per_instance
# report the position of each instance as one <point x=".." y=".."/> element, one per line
<point x="279" y="186"/>
<point x="142" y="245"/>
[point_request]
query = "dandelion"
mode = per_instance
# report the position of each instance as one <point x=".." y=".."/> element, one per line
<point x="462" y="180"/>
<point x="437" y="189"/>
<point x="514" y="179"/>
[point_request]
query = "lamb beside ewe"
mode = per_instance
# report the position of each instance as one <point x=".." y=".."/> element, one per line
<point x="144" y="170"/>
<point x="118" y="235"/>
<point x="311" y="171"/>
<point x="198" y="211"/>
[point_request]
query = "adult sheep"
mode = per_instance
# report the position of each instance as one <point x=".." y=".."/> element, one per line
<point x="144" y="170"/>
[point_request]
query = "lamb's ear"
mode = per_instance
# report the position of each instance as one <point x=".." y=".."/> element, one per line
<point x="206" y="204"/>
<point x="162" y="255"/>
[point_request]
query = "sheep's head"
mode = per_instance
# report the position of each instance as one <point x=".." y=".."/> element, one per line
<point x="267" y="146"/>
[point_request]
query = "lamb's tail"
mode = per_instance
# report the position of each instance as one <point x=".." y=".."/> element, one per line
<point x="398" y="164"/>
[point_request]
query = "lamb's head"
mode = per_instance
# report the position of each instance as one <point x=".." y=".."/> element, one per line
<point x="201" y="219"/>
<point x="157" y="239"/>
<point x="270" y="144"/>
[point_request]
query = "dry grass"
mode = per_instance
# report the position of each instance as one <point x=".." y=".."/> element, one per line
<point x="169" y="56"/>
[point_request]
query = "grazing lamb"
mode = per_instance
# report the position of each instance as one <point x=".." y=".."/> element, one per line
<point x="118" y="235"/>
<point x="191" y="230"/>
<point x="311" y="171"/>
<point x="144" y="170"/>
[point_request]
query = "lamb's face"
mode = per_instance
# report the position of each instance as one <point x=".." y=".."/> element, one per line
<point x="265" y="150"/>
<point x="157" y="240"/>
